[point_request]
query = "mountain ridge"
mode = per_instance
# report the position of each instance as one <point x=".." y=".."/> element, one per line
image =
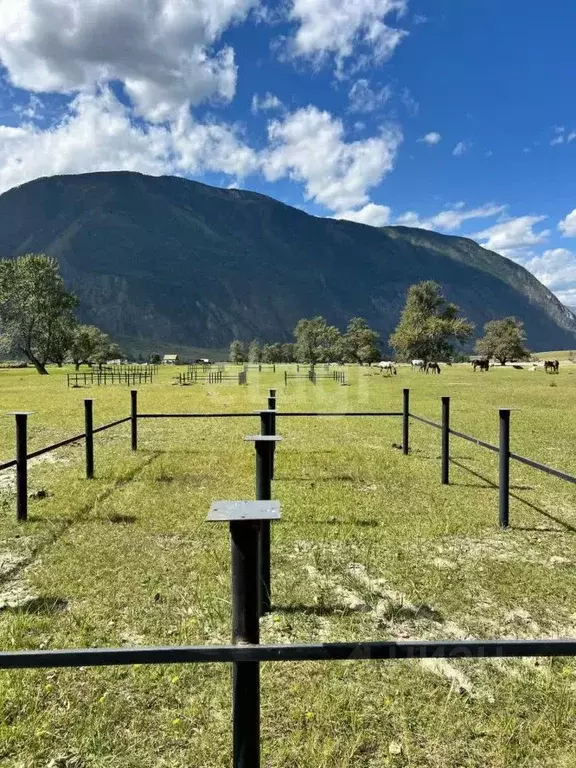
<point x="171" y="260"/>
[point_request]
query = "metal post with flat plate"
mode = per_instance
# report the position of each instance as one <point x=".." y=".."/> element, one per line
<point x="264" y="449"/>
<point x="245" y="519"/>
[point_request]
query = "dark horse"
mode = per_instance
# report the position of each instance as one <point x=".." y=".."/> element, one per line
<point x="433" y="367"/>
<point x="483" y="365"/>
<point x="551" y="366"/>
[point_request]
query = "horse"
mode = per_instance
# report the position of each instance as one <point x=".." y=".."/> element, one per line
<point x="388" y="367"/>
<point x="551" y="366"/>
<point x="433" y="367"/>
<point x="483" y="365"/>
<point x="419" y="365"/>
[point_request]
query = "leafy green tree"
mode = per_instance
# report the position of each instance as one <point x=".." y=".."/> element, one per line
<point x="361" y="343"/>
<point x="504" y="340"/>
<point x="35" y="308"/>
<point x="61" y="343"/>
<point x="316" y="341"/>
<point x="288" y="353"/>
<point x="272" y="353"/>
<point x="429" y="325"/>
<point x="91" y="346"/>
<point x="155" y="359"/>
<point x="255" y="352"/>
<point x="237" y="352"/>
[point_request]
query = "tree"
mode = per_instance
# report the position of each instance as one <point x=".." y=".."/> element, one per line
<point x="61" y="343"/>
<point x="429" y="325"/>
<point x="254" y="352"/>
<point x="90" y="345"/>
<point x="288" y="353"/>
<point x="361" y="343"/>
<point x="237" y="352"/>
<point x="35" y="308"/>
<point x="316" y="341"/>
<point x="155" y="359"/>
<point x="503" y="339"/>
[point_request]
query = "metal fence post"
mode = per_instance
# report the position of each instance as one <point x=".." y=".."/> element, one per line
<point x="89" y="430"/>
<point x="504" y="468"/>
<point x="21" y="464"/>
<point x="445" y="441"/>
<point x="406" y="422"/>
<point x="134" y="418"/>
<point x="272" y="407"/>
<point x="245" y="629"/>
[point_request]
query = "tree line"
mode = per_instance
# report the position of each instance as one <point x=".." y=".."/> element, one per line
<point x="37" y="320"/>
<point x="430" y="328"/>
<point x="37" y="317"/>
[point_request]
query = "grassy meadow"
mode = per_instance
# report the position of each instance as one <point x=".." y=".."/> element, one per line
<point x="370" y="546"/>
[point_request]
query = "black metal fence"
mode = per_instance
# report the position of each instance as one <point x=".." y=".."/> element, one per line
<point x="505" y="455"/>
<point x="105" y="377"/>
<point x="251" y="579"/>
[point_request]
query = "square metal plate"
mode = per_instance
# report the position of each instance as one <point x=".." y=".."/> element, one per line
<point x="236" y="511"/>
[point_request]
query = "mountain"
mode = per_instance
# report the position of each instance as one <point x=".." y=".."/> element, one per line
<point x="171" y="260"/>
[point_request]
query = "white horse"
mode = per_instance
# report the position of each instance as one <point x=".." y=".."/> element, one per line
<point x="418" y="365"/>
<point x="388" y="367"/>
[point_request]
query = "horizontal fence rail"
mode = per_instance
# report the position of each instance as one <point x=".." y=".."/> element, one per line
<point x="544" y="468"/>
<point x="408" y="649"/>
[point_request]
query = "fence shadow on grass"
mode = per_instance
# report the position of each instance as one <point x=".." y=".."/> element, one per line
<point x="493" y="486"/>
<point x="45" y="606"/>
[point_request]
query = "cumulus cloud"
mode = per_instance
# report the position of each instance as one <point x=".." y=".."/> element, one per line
<point x="372" y="214"/>
<point x="161" y="50"/>
<point x="568" y="225"/>
<point x="556" y="268"/>
<point x="461" y="148"/>
<point x="337" y="27"/>
<point x="309" y="146"/>
<point x="450" y="220"/>
<point x="363" y="98"/>
<point x="97" y="133"/>
<point x="266" y="103"/>
<point x="513" y="236"/>
<point x="431" y="138"/>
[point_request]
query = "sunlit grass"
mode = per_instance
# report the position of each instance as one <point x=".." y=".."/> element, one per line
<point x="370" y="546"/>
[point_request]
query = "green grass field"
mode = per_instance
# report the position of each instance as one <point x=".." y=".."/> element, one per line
<point x="370" y="547"/>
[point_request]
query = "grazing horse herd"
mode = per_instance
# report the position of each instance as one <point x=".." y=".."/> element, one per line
<point x="389" y="368"/>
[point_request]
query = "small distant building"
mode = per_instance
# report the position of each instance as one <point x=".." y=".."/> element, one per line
<point x="171" y="360"/>
<point x="118" y="361"/>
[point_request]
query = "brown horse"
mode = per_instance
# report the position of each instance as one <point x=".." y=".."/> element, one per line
<point x="483" y="365"/>
<point x="551" y="366"/>
<point x="433" y="367"/>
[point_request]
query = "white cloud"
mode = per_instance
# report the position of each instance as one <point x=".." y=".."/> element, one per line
<point x="512" y="236"/>
<point x="449" y="220"/>
<point x="568" y="225"/>
<point x="363" y="98"/>
<point x="461" y="148"/>
<point x="556" y="268"/>
<point x="309" y="146"/>
<point x="372" y="214"/>
<point x="431" y="138"/>
<point x="562" y="136"/>
<point x="337" y="27"/>
<point x="266" y="103"/>
<point x="97" y="133"/>
<point x="161" y="50"/>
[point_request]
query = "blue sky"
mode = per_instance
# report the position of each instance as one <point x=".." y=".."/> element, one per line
<point x="456" y="115"/>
